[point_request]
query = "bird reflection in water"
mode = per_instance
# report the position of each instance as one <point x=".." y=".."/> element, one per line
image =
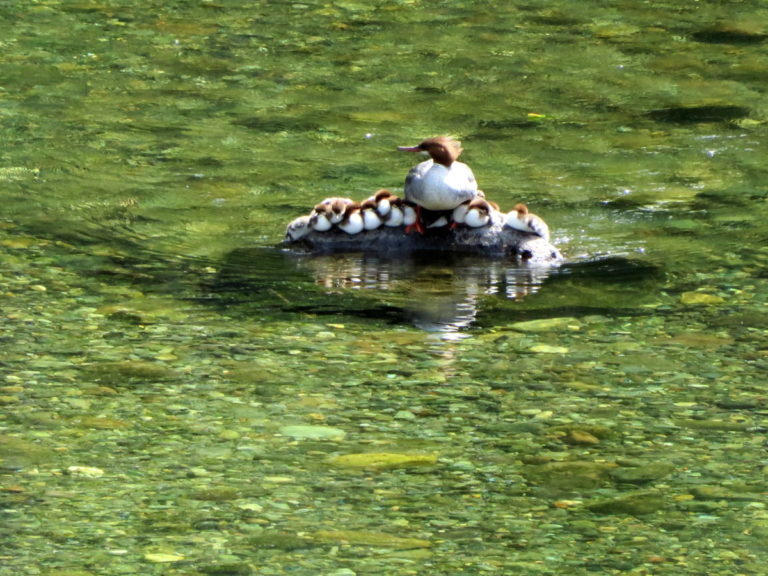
<point x="441" y="296"/>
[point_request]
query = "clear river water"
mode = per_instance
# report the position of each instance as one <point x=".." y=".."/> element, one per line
<point x="181" y="395"/>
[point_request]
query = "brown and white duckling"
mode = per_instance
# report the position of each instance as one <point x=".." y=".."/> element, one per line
<point x="382" y="200"/>
<point x="371" y="217"/>
<point x="395" y="216"/>
<point x="352" y="221"/>
<point x="410" y="214"/>
<point x="328" y="212"/>
<point x="476" y="213"/>
<point x="298" y="228"/>
<point x="521" y="219"/>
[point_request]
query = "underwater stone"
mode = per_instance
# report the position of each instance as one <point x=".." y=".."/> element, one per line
<point x="569" y="476"/>
<point x="308" y="432"/>
<point x="382" y="460"/>
<point x="643" y="474"/>
<point x="636" y="504"/>
<point x="373" y="539"/>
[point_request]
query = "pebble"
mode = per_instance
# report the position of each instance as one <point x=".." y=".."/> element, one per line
<point x="366" y="538"/>
<point x="85" y="472"/>
<point x="580" y="437"/>
<point x="546" y="325"/>
<point x="700" y="298"/>
<point x="229" y="435"/>
<point x="163" y="557"/>
<point x="548" y="349"/>
<point x="310" y="432"/>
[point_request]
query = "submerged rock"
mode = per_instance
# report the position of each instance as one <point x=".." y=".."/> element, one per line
<point x="382" y="460"/>
<point x="572" y="476"/>
<point x="367" y="538"/>
<point x="733" y="33"/>
<point x="307" y="432"/>
<point x="636" y="504"/>
<point x="642" y="473"/>
<point x="129" y="372"/>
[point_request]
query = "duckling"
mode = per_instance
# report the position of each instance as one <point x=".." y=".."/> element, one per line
<point x="475" y="213"/>
<point x="328" y="212"/>
<point x="382" y="200"/>
<point x="521" y="219"/>
<point x="298" y="228"/>
<point x="371" y="217"/>
<point x="395" y="216"/>
<point x="352" y="221"/>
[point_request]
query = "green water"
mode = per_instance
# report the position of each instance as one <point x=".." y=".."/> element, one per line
<point x="179" y="396"/>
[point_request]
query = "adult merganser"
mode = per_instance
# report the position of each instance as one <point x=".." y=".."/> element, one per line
<point x="328" y="212"/>
<point x="441" y="183"/>
<point x="298" y="228"/>
<point x="476" y="213"/>
<point x="352" y="222"/>
<point x="521" y="219"/>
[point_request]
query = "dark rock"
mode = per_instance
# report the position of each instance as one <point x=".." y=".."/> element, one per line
<point x="697" y="114"/>
<point x="725" y="34"/>
<point x="492" y="241"/>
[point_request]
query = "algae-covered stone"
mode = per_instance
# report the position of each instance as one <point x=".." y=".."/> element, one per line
<point x="129" y="372"/>
<point x="18" y="453"/>
<point x="280" y="540"/>
<point x="636" y="504"/>
<point x="569" y="476"/>
<point x="230" y="568"/>
<point x="580" y="437"/>
<point x="720" y="493"/>
<point x="217" y="494"/>
<point x="700" y="298"/>
<point x="382" y="460"/>
<point x="642" y="474"/>
<point x="163" y="557"/>
<point x="366" y="538"/>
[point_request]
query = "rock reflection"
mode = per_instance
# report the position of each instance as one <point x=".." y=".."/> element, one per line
<point x="441" y="295"/>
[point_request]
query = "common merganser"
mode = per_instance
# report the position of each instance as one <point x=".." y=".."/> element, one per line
<point x="352" y="222"/>
<point x="521" y="219"/>
<point x="298" y="228"/>
<point x="440" y="183"/>
<point x="328" y="212"/>
<point x="476" y="213"/>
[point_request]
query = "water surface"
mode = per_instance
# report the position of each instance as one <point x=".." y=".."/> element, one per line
<point x="178" y="390"/>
